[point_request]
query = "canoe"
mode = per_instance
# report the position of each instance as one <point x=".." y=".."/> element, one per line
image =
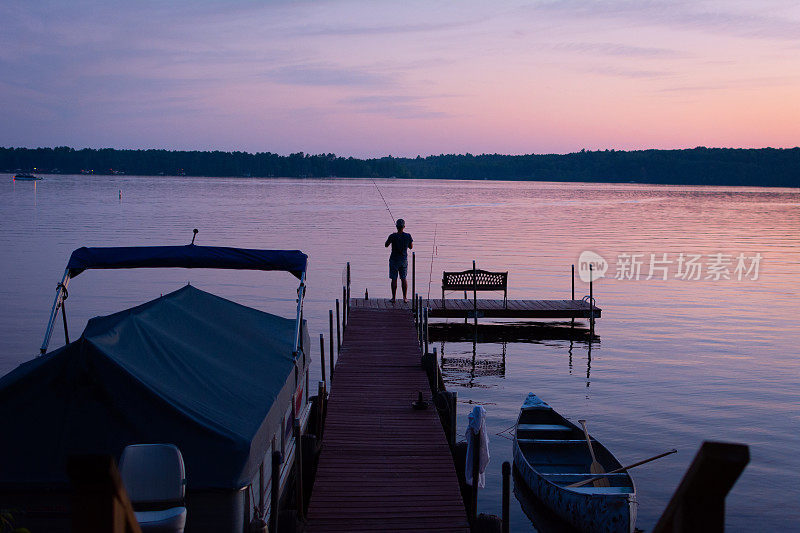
<point x="550" y="452"/>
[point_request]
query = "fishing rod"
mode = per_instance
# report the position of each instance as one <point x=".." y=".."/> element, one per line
<point x="433" y="252"/>
<point x="384" y="200"/>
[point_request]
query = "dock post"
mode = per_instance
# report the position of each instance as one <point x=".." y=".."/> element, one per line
<point x="419" y="320"/>
<point x="344" y="307"/>
<point x="330" y="339"/>
<point x="274" y="491"/>
<point x="476" y="463"/>
<point x="506" y="495"/>
<point x="414" y="277"/>
<point x="475" y="292"/>
<point x="322" y="356"/>
<point x="435" y="372"/>
<point x="338" y="329"/>
<point x="347" y="301"/>
<point x="425" y="327"/>
<point x="591" y="304"/>
<point x="572" y="323"/>
<point x="298" y="470"/>
<point x="320" y="407"/>
<point x="453" y="417"/>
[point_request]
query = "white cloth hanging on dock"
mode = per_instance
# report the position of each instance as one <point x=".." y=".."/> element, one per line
<point x="477" y="426"/>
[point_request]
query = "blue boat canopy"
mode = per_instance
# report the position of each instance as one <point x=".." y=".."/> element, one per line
<point x="189" y="256"/>
<point x="212" y="376"/>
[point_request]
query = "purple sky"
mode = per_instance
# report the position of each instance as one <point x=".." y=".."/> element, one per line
<point x="401" y="78"/>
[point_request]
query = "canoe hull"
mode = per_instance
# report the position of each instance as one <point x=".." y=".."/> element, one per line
<point x="600" y="514"/>
<point x="550" y="453"/>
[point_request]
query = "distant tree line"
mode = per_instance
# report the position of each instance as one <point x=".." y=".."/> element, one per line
<point x="700" y="166"/>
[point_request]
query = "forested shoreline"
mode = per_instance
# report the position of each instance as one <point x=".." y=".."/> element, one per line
<point x="776" y="167"/>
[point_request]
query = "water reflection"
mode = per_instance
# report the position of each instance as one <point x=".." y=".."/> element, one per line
<point x="485" y="354"/>
<point x="542" y="518"/>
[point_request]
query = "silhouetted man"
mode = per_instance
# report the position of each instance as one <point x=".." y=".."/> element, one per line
<point x="398" y="260"/>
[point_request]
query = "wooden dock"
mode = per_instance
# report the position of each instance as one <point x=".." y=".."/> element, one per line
<point x="384" y="466"/>
<point x="464" y="308"/>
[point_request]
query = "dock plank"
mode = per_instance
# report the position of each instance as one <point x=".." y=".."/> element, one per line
<point x="383" y="465"/>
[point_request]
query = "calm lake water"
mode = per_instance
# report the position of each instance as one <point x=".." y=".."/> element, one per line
<point x="679" y="360"/>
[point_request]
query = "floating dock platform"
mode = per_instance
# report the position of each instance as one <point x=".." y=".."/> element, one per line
<point x="466" y="308"/>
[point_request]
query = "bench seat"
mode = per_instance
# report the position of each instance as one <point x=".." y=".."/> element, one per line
<point x="543" y="427"/>
<point x="553" y="441"/>
<point x="602" y="490"/>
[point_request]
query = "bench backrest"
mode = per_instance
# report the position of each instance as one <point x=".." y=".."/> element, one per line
<point x="481" y="280"/>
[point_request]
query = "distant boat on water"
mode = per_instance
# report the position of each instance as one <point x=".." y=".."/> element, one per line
<point x="26" y="177"/>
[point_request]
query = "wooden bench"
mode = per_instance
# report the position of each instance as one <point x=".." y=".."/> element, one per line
<point x="475" y="280"/>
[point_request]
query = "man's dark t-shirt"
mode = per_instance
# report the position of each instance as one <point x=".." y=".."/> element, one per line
<point x="400" y="243"/>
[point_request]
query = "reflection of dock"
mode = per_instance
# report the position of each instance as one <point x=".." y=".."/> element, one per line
<point x="465" y="308"/>
<point x="528" y="332"/>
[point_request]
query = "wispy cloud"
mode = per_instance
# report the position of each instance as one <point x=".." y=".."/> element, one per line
<point x="398" y="106"/>
<point x="725" y="18"/>
<point x="617" y="50"/>
<point x="327" y="75"/>
<point x="380" y="29"/>
<point x="622" y="72"/>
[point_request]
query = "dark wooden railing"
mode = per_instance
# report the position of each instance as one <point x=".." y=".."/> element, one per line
<point x="698" y="504"/>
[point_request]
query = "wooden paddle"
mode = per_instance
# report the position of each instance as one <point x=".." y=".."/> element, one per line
<point x="596" y="467"/>
<point x="622" y="469"/>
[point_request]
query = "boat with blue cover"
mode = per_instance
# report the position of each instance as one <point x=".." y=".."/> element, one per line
<point x="551" y="453"/>
<point x="223" y="382"/>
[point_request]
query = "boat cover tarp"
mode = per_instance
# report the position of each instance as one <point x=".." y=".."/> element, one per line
<point x="189" y="368"/>
<point x="189" y="256"/>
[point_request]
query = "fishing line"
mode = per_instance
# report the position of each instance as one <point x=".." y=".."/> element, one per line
<point x="384" y="200"/>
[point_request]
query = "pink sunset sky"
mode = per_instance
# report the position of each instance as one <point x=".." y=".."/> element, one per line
<point x="401" y="78"/>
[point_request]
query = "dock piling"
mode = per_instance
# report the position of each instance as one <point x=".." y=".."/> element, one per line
<point x="435" y="372"/>
<point x="591" y="303"/>
<point x="344" y="307"/>
<point x="453" y="418"/>
<point x="321" y="393"/>
<point x="413" y="279"/>
<point x="475" y="291"/>
<point x="322" y="356"/>
<point x="330" y="339"/>
<point x="572" y="323"/>
<point x="425" y="328"/>
<point x="338" y="329"/>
